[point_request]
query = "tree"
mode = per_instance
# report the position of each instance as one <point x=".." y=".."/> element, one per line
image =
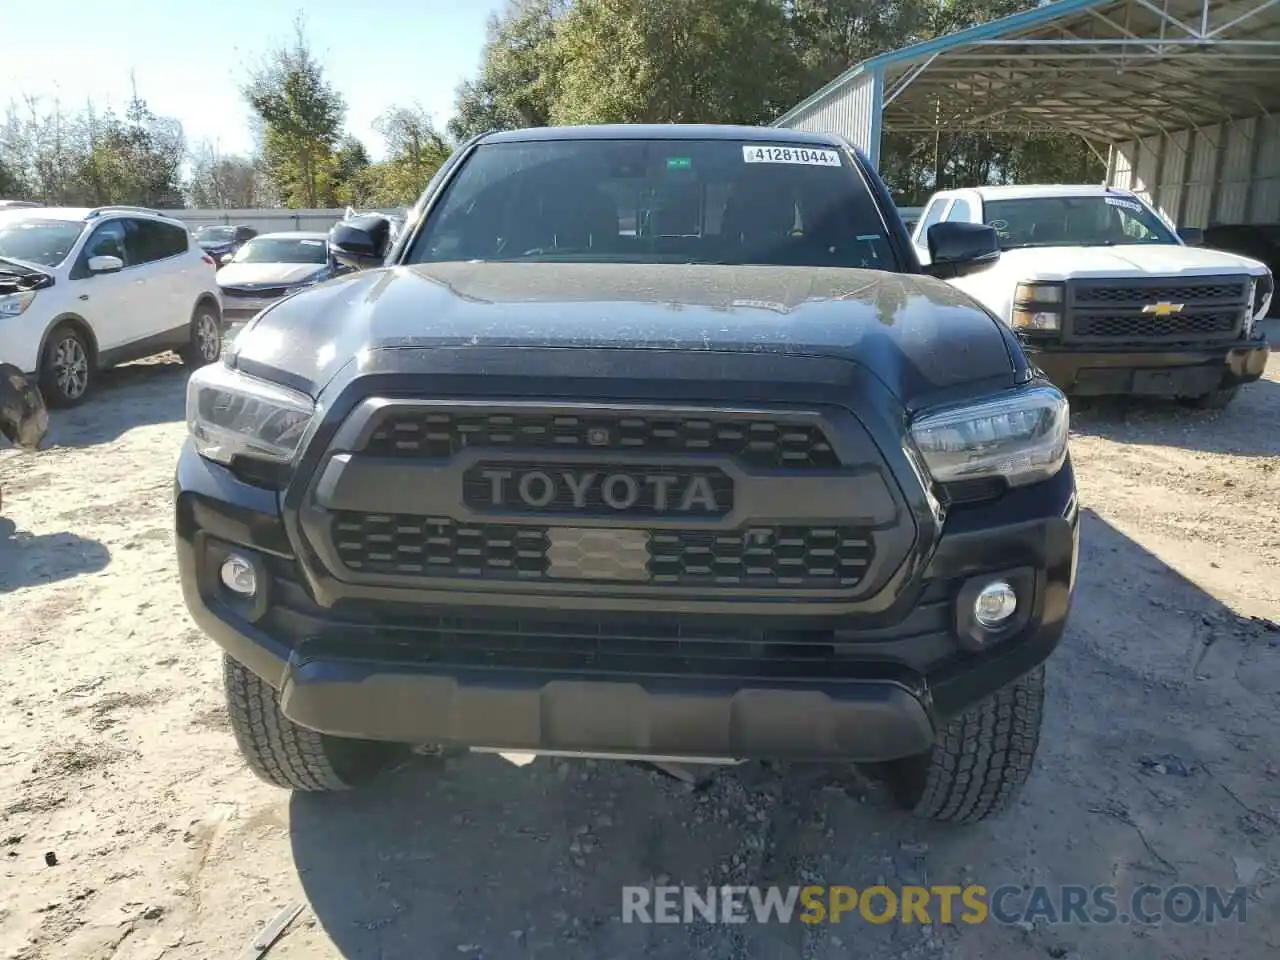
<point x="415" y="151"/>
<point x="728" y="61"/>
<point x="518" y="76"/>
<point x="220" y="182"/>
<point x="302" y="118"/>
<point x="91" y="157"/>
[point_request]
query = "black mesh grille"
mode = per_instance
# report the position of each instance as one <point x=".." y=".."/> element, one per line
<point x="763" y="557"/>
<point x="261" y="293"/>
<point x="763" y="443"/>
<point x="1190" y="293"/>
<point x="1141" y="326"/>
<point x="433" y="547"/>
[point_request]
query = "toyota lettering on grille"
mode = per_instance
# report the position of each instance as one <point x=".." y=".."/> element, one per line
<point x="600" y="491"/>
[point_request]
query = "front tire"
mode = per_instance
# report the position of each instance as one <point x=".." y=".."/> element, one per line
<point x="980" y="761"/>
<point x="66" y="369"/>
<point x="286" y="755"/>
<point x="204" y="342"/>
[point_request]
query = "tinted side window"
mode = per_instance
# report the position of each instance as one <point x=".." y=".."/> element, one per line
<point x="960" y="212"/>
<point x="108" y="240"/>
<point x="932" y="215"/>
<point x="151" y="240"/>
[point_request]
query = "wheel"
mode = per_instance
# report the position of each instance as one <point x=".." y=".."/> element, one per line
<point x="205" y="343"/>
<point x="1214" y="399"/>
<point x="66" y="369"/>
<point x="980" y="761"/>
<point x="293" y="757"/>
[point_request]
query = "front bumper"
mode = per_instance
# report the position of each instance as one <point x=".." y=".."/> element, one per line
<point x="1161" y="371"/>
<point x="241" y="309"/>
<point x="848" y="686"/>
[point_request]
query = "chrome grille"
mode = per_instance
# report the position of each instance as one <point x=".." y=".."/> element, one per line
<point x="761" y="442"/>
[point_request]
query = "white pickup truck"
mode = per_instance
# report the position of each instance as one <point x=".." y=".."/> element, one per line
<point x="1106" y="296"/>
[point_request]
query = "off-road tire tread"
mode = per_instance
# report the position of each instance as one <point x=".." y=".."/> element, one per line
<point x="275" y="748"/>
<point x="984" y="756"/>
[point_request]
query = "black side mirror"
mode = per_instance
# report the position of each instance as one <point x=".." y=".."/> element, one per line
<point x="1192" y="236"/>
<point x="959" y="248"/>
<point x="361" y="242"/>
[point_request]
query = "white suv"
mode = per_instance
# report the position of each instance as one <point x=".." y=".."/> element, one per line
<point x="85" y="289"/>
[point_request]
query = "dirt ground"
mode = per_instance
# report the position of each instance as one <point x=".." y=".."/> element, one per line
<point x="1160" y="762"/>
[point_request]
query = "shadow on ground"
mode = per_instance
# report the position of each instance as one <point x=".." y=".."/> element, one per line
<point x="1151" y="770"/>
<point x="27" y="560"/>
<point x="134" y="395"/>
<point x="1246" y="428"/>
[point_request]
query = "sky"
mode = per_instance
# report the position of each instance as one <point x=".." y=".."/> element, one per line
<point x="189" y="58"/>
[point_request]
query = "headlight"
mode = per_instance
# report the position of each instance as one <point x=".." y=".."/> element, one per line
<point x="1037" y="306"/>
<point x="13" y="304"/>
<point x="231" y="414"/>
<point x="1020" y="436"/>
<point x="1263" y="291"/>
<point x="309" y="282"/>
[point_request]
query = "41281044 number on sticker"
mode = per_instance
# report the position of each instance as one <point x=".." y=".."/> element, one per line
<point x="807" y="155"/>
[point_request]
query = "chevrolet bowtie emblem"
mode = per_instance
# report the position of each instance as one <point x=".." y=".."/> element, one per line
<point x="1163" y="308"/>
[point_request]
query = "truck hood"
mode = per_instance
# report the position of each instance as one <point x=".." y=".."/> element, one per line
<point x="1128" y="260"/>
<point x="915" y="333"/>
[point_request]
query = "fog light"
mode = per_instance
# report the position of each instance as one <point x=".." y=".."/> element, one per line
<point x="995" y="604"/>
<point x="238" y="576"/>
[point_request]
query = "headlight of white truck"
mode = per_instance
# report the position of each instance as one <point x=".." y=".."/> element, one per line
<point x="1037" y="306"/>
<point x="1262" y="290"/>
<point x="1020" y="436"/>
<point x="231" y="414"/>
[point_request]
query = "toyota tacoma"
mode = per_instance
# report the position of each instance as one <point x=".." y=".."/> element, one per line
<point x="1107" y="297"/>
<point x="641" y="442"/>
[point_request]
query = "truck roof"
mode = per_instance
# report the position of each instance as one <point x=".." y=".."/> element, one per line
<point x="1027" y="191"/>
<point x="666" y="131"/>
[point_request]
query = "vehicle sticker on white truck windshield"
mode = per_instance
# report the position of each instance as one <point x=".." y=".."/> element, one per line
<point x="807" y="155"/>
<point x="1127" y="204"/>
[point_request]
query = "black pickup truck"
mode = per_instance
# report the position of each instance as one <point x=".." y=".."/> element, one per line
<point x="637" y="442"/>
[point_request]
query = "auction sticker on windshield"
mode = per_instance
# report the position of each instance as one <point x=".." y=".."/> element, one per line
<point x="807" y="155"/>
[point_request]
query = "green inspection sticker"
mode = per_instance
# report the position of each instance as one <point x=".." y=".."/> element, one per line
<point x="679" y="163"/>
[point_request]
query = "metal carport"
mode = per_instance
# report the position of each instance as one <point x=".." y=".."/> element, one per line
<point x="1179" y="96"/>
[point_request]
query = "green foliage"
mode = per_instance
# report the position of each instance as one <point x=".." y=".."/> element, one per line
<point x="737" y="61"/>
<point x="415" y="151"/>
<point x="91" y="158"/>
<point x="302" y="116"/>
<point x="684" y="61"/>
<point x="519" y="75"/>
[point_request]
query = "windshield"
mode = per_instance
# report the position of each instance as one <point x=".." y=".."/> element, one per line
<point x="43" y="242"/>
<point x="657" y="201"/>
<point x="283" y="250"/>
<point x="216" y="233"/>
<point x="1074" y="222"/>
